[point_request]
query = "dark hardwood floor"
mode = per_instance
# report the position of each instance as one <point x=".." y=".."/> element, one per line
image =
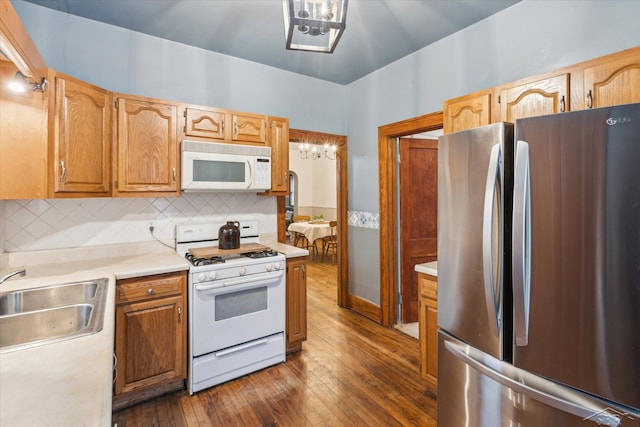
<point x="350" y="372"/>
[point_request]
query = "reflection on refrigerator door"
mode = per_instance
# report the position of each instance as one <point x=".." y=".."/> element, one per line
<point x="477" y="390"/>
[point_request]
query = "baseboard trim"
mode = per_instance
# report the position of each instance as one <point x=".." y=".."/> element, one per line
<point x="365" y="308"/>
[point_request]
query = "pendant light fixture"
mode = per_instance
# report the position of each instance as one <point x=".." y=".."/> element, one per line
<point x="314" y="25"/>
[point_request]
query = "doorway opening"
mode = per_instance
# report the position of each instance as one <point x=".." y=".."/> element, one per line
<point x="390" y="216"/>
<point x="303" y="136"/>
<point x="417" y="214"/>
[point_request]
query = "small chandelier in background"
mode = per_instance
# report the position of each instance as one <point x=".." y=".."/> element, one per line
<point x="315" y="151"/>
<point x="314" y="25"/>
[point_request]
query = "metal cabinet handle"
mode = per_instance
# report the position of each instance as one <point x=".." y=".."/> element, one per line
<point x="264" y="129"/>
<point x="562" y="107"/>
<point x="589" y="99"/>
<point x="174" y="175"/>
<point x="64" y="171"/>
<point x="304" y="271"/>
<point x="179" y="314"/>
<point x="150" y="291"/>
<point x="235" y="129"/>
<point x="223" y="127"/>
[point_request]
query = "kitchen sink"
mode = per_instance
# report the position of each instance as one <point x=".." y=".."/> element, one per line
<point x="38" y="316"/>
<point x="48" y="297"/>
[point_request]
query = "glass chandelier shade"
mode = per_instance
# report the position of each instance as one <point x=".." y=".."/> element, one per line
<point x="314" y="25"/>
<point x="316" y="151"/>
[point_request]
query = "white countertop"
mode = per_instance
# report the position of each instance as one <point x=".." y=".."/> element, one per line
<point x="287" y="250"/>
<point x="70" y="382"/>
<point x="430" y="268"/>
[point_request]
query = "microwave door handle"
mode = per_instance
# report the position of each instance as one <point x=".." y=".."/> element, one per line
<point x="250" y="183"/>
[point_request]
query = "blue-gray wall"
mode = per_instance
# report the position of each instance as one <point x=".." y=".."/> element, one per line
<point x="530" y="37"/>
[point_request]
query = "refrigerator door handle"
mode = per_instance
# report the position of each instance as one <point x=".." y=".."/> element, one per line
<point x="521" y="244"/>
<point x="542" y="390"/>
<point x="492" y="297"/>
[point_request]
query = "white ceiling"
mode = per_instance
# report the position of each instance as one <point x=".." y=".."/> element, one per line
<point x="378" y="32"/>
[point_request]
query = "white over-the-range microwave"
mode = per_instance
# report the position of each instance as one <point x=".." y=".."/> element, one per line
<point x="209" y="166"/>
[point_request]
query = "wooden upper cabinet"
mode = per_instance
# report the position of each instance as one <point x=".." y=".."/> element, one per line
<point x="249" y="128"/>
<point x="17" y="45"/>
<point x="467" y="112"/>
<point x="23" y="140"/>
<point x="81" y="138"/>
<point x="279" y="142"/>
<point x="534" y="98"/>
<point x="208" y="123"/>
<point x="612" y="80"/>
<point x="147" y="147"/>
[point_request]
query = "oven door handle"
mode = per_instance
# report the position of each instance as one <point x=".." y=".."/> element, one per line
<point x="254" y="280"/>
<point x="241" y="347"/>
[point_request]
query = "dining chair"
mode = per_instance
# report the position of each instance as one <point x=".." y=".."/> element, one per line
<point x="299" y="238"/>
<point x="330" y="242"/>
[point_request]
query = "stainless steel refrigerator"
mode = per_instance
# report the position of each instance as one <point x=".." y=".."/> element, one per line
<point x="539" y="272"/>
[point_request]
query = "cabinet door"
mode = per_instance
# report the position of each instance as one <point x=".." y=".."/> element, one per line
<point x="614" y="82"/>
<point x="205" y="123"/>
<point x="249" y="128"/>
<point x="428" y="328"/>
<point x="81" y="138"/>
<point x="279" y="141"/>
<point x="150" y="343"/>
<point x="147" y="146"/>
<point x="467" y="112"/>
<point x="296" y="324"/>
<point x="23" y="140"/>
<point x="529" y="99"/>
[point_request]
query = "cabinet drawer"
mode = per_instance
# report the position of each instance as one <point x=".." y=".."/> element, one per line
<point x="141" y="288"/>
<point x="428" y="287"/>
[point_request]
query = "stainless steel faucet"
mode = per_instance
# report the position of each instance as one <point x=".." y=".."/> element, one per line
<point x="22" y="272"/>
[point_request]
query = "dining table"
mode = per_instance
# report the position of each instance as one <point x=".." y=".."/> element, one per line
<point x="312" y="230"/>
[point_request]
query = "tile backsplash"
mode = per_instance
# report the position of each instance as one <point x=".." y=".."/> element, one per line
<point x="41" y="224"/>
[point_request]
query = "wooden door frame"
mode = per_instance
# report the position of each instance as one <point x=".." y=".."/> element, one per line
<point x="311" y="137"/>
<point x="387" y="169"/>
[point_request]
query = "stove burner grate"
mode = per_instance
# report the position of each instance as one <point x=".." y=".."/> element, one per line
<point x="261" y="254"/>
<point x="203" y="261"/>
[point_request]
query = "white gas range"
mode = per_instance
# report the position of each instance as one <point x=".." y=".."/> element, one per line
<point x="236" y="306"/>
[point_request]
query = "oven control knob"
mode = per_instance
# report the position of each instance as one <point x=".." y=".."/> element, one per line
<point x="276" y="265"/>
<point x="201" y="276"/>
<point x="212" y="275"/>
<point x="242" y="271"/>
<point x="268" y="267"/>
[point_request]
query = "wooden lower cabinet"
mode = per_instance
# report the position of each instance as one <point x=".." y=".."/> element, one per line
<point x="296" y="303"/>
<point x="428" y="328"/>
<point x="151" y="337"/>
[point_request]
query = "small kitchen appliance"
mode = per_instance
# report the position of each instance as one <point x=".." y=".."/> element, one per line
<point x="210" y="166"/>
<point x="236" y="304"/>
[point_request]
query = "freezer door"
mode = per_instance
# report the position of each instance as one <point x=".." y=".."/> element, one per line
<point x="576" y="250"/>
<point x="475" y="389"/>
<point x="474" y="174"/>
